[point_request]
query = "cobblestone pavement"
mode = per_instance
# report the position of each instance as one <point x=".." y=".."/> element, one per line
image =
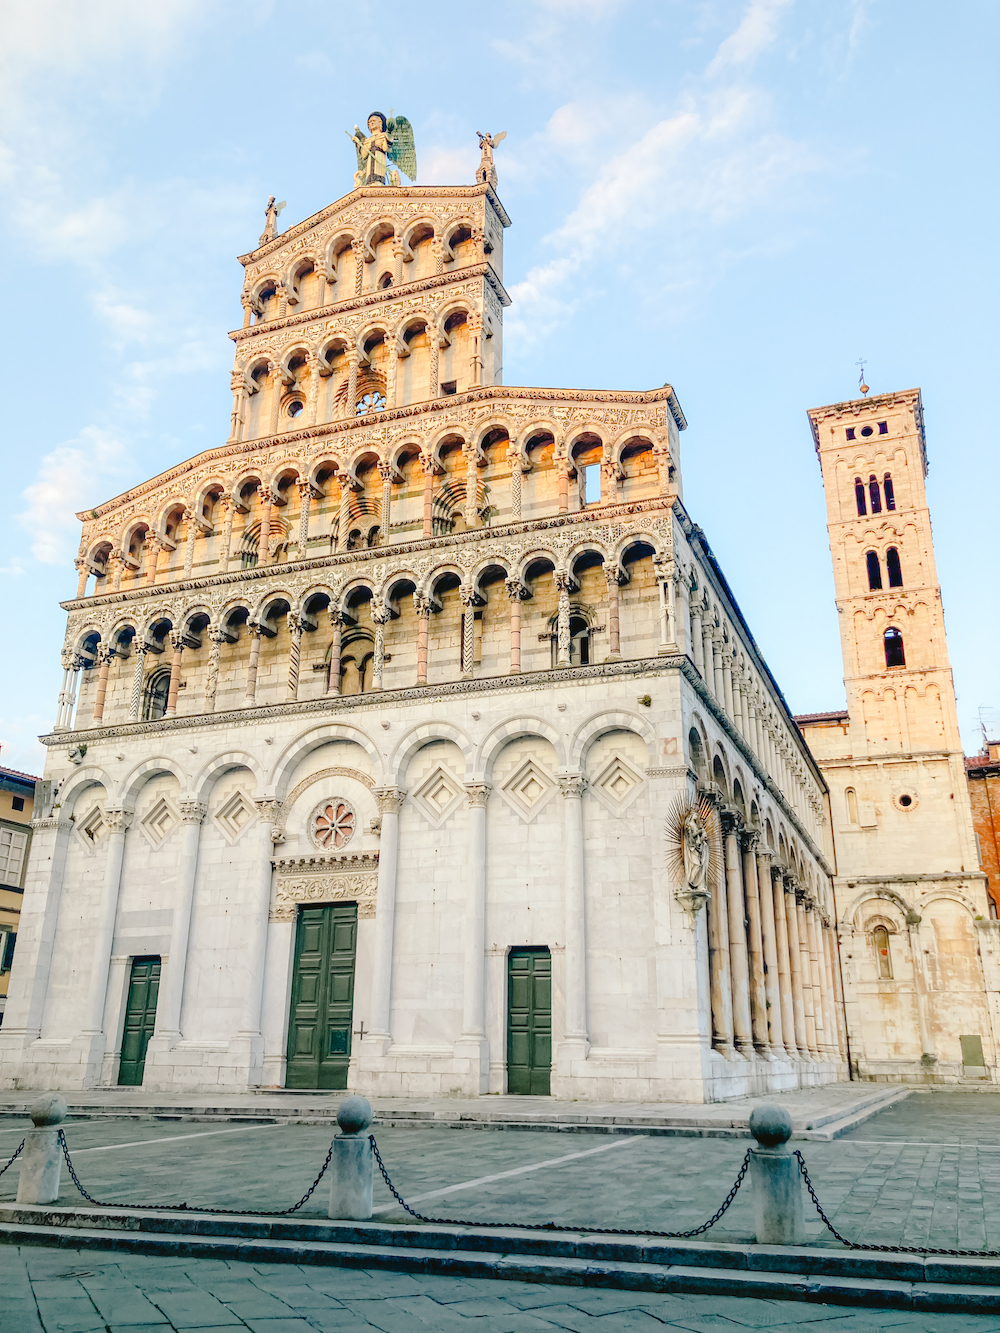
<point x="79" y="1291"/>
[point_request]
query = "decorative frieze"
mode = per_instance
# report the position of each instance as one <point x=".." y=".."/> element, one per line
<point x="324" y="879"/>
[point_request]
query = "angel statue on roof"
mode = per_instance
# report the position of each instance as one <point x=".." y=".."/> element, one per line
<point x="387" y="141"/>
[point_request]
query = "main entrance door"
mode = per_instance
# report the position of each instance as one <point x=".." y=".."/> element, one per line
<point x="529" y="1021"/>
<point x="140" y="1018"/>
<point x="319" y="1026"/>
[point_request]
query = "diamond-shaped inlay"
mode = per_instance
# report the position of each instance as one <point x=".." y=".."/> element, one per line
<point x="528" y="789"/>
<point x="92" y="828"/>
<point x="617" y="784"/>
<point x="158" y="824"/>
<point x="438" y="797"/>
<point x="235" y="816"/>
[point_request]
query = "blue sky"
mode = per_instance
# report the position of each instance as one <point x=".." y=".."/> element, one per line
<point x="739" y="197"/>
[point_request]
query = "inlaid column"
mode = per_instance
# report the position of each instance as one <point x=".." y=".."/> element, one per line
<point x="769" y="939"/>
<point x="611" y="577"/>
<point x="572" y="786"/>
<point x="517" y="592"/>
<point x="106" y="654"/>
<point x="758" y="997"/>
<point x="343" y="511"/>
<point x="385" y="471"/>
<point x="267" y="498"/>
<point x="563" y="581"/>
<point x="390" y="801"/>
<point x="352" y="384"/>
<point x="103" y="922"/>
<point x="720" y="975"/>
<point x="398" y="255"/>
<point x="427" y="464"/>
<point x="254" y="631"/>
<point x="216" y="637"/>
<point x="422" y="610"/>
<point x="171" y="995"/>
<point x="474" y="928"/>
<point x="471" y="485"/>
<point x="381" y="616"/>
<point x="192" y="537"/>
<point x="177" y="643"/>
<point x="229" y="507"/>
<point x="468" y="598"/>
<point x="276" y="386"/>
<point x="139" y="651"/>
<point x="295" y="628"/>
<point x="516" y="481"/>
<point x="337" y="628"/>
<point x="808" y="1000"/>
<point x="795" y="968"/>
<point x="434" y="336"/>
<point x="307" y="493"/>
<point x="738" y="961"/>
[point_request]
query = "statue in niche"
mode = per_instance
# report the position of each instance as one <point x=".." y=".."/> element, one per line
<point x="388" y="141"/>
<point x="693" y="851"/>
<point x="486" y="173"/>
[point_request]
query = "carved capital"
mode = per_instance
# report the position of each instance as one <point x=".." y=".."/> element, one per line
<point x="751" y="839"/>
<point x="612" y="575"/>
<point x="192" y="811"/>
<point x="308" y="491"/>
<point x="421" y="604"/>
<point x="572" y="785"/>
<point x="732" y="821"/>
<point x="516" y="590"/>
<point x="117" y="820"/>
<point x="478" y="794"/>
<point x="390" y="799"/>
<point x="295" y="626"/>
<point x="381" y="613"/>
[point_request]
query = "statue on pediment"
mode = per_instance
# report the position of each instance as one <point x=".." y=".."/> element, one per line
<point x="387" y="145"/>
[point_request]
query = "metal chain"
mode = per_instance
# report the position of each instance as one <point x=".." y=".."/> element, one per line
<point x="562" y="1226"/>
<point x="885" y="1249"/>
<point x="13" y="1157"/>
<point x="187" y="1207"/>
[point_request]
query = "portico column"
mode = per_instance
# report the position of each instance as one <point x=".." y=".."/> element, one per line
<point x="390" y="800"/>
<point x="177" y="642"/>
<point x="742" y="1029"/>
<point x="83" y="574"/>
<point x="720" y="975"/>
<point x="758" y="999"/>
<point x="919" y="984"/>
<point x="611" y="576"/>
<point x="428" y="468"/>
<point x="516" y="591"/>
<point x="664" y="568"/>
<point x="838" y="994"/>
<point x="474" y="932"/>
<point x="381" y="615"/>
<point x="385" y="472"/>
<point x="784" y="963"/>
<point x="216" y="637"/>
<point x="295" y="628"/>
<point x="564" y="582"/>
<point x="67" y="666"/>
<point x="718" y="647"/>
<point x="105" y="656"/>
<point x="152" y="557"/>
<point x="139" y="651"/>
<point x="572" y="786"/>
<point x="256" y="925"/>
<point x="168" y="1008"/>
<point x="772" y="991"/>
<point x="808" y="1003"/>
<point x="337" y="628"/>
<point x="795" y="966"/>
<point x="255" y="631"/>
<point x="815" y="967"/>
<point x="697" y="639"/>
<point x="117" y="821"/>
<point x="468" y="598"/>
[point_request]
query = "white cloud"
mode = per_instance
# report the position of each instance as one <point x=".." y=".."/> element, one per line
<point x="19" y="745"/>
<point x="68" y="477"/>
<point x="757" y="30"/>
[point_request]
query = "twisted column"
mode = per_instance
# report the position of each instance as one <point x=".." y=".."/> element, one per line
<point x="308" y="493"/>
<point x="563" y="581"/>
<point x="352" y="384"/>
<point x="135" y="697"/>
<point x="515" y="484"/>
<point x="467" y="596"/>
<point x="295" y="628"/>
<point x="343" y="511"/>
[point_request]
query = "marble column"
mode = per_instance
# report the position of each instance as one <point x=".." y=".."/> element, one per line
<point x="816" y="971"/>
<point x="229" y="507"/>
<point x="795" y="967"/>
<point x="726" y="655"/>
<point x="738" y="962"/>
<point x="422" y="610"/>
<point x="343" y="511"/>
<point x="434" y="388"/>
<point x="468" y="599"/>
<point x="611" y="576"/>
<point x="830" y="1045"/>
<point x="808" y="1002"/>
<point x="255" y="921"/>
<point x="720" y="975"/>
<point x="784" y="963"/>
<point x="139" y="651"/>
<point x="295" y="628"/>
<point x="117" y="821"/>
<point x="390" y="801"/>
<point x="385" y="472"/>
<point x="83" y="574"/>
<point x="352" y="384"/>
<point x="577" y="1039"/>
<point x="758" y="998"/>
<point x="254" y="631"/>
<point x="428" y="468"/>
<point x="168" y="1008"/>
<point x="838" y="993"/>
<point x="267" y="499"/>
<point x="177" y="643"/>
<point x="67" y="666"/>
<point x="474" y="930"/>
<point x="516" y="482"/>
<point x="769" y="939"/>
<point x="718" y="648"/>
<point x="192" y="537"/>
<point x="106" y="654"/>
<point x="152" y="557"/>
<point x="216" y="637"/>
<point x="275" y="403"/>
<point x="115" y="570"/>
<point x="471" y="486"/>
<point x="307" y="493"/>
<point x="563" y="581"/>
<point x="920" y="985"/>
<point x="664" y="568"/>
<point x="337" y="628"/>
<point x="697" y="639"/>
<point x="562" y="476"/>
<point x="517" y="592"/>
<point x="381" y="615"/>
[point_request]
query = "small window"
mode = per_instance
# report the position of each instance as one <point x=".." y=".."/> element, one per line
<point x="866" y="431"/>
<point x="295" y="407"/>
<point x="449" y="387"/>
<point x="859" y="495"/>
<point x="893" y="567"/>
<point x="371" y="402"/>
<point x="880" y="938"/>
<point x="894" y="655"/>
<point x="7" y="952"/>
<point x="883" y="428"/>
<point x="385" y="281"/>
<point x="592" y="484"/>
<point x="13" y="845"/>
<point x="876" y="497"/>
<point x="157" y="689"/>
<point x="852" y="806"/>
<point x="850" y="432"/>
<point x="874" y="571"/>
<point x="17" y="802"/>
<point x="890" y="494"/>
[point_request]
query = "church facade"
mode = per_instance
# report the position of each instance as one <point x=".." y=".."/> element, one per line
<point x="378" y="719"/>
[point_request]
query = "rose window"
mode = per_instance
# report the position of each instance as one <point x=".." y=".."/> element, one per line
<point x="333" y="824"/>
<point x="371" y="402"/>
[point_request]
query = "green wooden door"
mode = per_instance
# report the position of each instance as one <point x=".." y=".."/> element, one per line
<point x="140" y="1016"/>
<point x="319" y="1025"/>
<point x="529" y="1021"/>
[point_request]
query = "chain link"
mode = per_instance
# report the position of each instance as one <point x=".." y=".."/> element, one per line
<point x="562" y="1226"/>
<point x="13" y="1157"/>
<point x="885" y="1249"/>
<point x="187" y="1207"/>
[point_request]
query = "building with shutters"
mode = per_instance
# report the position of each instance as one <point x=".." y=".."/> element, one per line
<point x="17" y="798"/>
<point x="920" y="945"/>
<point x="375" y="715"/>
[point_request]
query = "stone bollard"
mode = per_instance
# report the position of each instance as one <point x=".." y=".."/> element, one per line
<point x="351" y="1170"/>
<point x="41" y="1161"/>
<point x="775" y="1179"/>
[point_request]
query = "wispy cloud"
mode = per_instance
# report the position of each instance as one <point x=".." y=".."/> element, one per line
<point x="757" y="30"/>
<point x="67" y="477"/>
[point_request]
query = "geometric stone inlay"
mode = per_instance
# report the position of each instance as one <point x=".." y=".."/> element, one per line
<point x="235" y="817"/>
<point x="528" y="789"/>
<point x="332" y="824"/>
<point x="93" y="828"/>
<point x="157" y="825"/>
<point x="617" y="784"/>
<point x="438" y="797"/>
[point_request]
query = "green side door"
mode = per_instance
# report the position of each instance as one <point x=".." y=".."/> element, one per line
<point x="529" y="1021"/>
<point x="322" y="1008"/>
<point x="140" y="1018"/>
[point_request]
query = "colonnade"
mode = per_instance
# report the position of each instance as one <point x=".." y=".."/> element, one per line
<point x="775" y="983"/>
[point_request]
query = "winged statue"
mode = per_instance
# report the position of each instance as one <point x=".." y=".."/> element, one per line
<point x="486" y="173"/>
<point x="387" y="145"/>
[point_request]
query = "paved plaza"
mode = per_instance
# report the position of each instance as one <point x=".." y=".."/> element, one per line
<point x="926" y="1171"/>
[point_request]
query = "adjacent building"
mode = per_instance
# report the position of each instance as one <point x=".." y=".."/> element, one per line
<point x="17" y="799"/>
<point x="983" y="773"/>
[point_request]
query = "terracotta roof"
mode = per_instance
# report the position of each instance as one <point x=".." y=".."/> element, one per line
<point x="981" y="761"/>
<point x="13" y="773"/>
<point x="839" y="715"/>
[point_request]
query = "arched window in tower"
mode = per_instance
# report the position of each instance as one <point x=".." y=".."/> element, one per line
<point x="893" y="567"/>
<point x="874" y="571"/>
<point x="154" y="704"/>
<point x="852" y="806"/>
<point x="890" y="494"/>
<point x="894" y="655"/>
<point x="880" y="939"/>
<point x="875" y="494"/>
<point x="859" y="495"/>
<point x="579" y="641"/>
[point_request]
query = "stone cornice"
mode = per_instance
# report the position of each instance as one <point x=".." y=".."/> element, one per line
<point x="449" y="403"/>
<point x="369" y="299"/>
<point x="595" y="514"/>
<point x="324" y="864"/>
